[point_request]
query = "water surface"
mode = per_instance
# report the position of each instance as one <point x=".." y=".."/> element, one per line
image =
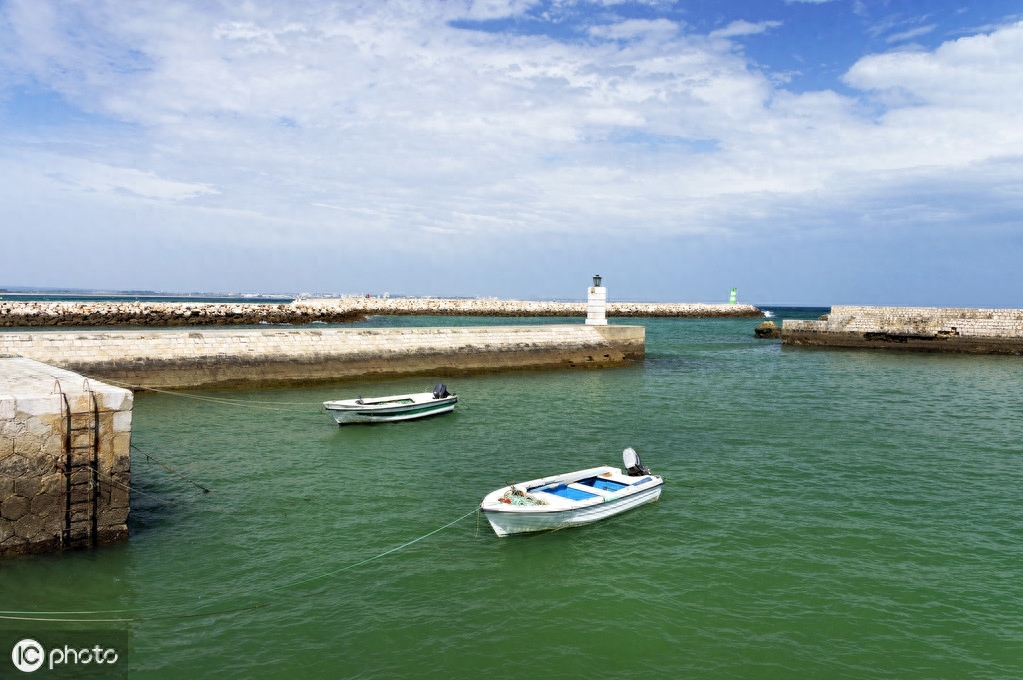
<point x="826" y="513"/>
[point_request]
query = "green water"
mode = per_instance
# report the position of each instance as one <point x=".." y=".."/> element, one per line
<point x="826" y="514"/>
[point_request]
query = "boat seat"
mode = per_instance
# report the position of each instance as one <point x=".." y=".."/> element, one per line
<point x="574" y="492"/>
<point x="602" y="484"/>
<point x="601" y="491"/>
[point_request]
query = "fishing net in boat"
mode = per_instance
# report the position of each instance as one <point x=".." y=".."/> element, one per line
<point x="515" y="496"/>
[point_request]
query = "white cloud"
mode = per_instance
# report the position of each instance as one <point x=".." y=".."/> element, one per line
<point x="910" y="34"/>
<point x="336" y="119"/>
<point x="496" y="9"/>
<point x="108" y="179"/>
<point x="637" y="28"/>
<point x="979" y="72"/>
<point x="741" y="27"/>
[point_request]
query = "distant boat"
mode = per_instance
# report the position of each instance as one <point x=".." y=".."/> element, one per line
<point x="389" y="409"/>
<point x="571" y="499"/>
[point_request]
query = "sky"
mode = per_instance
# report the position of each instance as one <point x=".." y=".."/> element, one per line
<point x="812" y="152"/>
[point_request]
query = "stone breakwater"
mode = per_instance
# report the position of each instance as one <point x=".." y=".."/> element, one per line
<point x="169" y="358"/>
<point x="921" y="329"/>
<point x="93" y="314"/>
<point x="327" y="310"/>
<point x="459" y="307"/>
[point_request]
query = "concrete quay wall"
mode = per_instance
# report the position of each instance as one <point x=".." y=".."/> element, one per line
<point x="65" y="465"/>
<point x="168" y="358"/>
<point x="329" y="310"/>
<point x="921" y="329"/>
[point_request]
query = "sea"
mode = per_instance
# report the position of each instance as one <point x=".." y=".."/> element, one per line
<point x="826" y="513"/>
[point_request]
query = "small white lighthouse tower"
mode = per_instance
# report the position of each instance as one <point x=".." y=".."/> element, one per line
<point x="596" y="304"/>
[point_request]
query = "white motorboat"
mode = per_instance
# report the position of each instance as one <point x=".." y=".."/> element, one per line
<point x="389" y="409"/>
<point x="571" y="499"/>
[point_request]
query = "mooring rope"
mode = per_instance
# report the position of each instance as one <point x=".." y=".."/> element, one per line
<point x="265" y="405"/>
<point x="375" y="557"/>
<point x="133" y="619"/>
<point x="170" y="469"/>
<point x="134" y="489"/>
<point x="75" y="616"/>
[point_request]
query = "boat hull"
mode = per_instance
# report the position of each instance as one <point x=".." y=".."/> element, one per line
<point x="383" y="411"/>
<point x="511" y="520"/>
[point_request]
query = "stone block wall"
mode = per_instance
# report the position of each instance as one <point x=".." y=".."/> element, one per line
<point x="65" y="465"/>
<point x="926" y="329"/>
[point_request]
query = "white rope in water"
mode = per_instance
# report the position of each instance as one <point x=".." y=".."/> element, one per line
<point x="376" y="557"/>
<point x="266" y="405"/>
<point x="75" y="616"/>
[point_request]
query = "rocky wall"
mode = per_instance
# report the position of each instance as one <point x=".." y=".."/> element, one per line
<point x="154" y="314"/>
<point x="462" y="307"/>
<point x="14" y="314"/>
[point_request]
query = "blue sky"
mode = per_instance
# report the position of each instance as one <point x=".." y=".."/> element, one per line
<point x="825" y="152"/>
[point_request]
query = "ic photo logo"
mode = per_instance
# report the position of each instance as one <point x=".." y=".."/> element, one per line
<point x="28" y="656"/>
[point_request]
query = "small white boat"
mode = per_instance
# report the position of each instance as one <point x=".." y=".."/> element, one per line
<point x="571" y="499"/>
<point x="389" y="409"/>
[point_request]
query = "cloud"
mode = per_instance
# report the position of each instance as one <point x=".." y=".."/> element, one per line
<point x="637" y="28"/>
<point x="496" y="9"/>
<point x="741" y="27"/>
<point x="96" y="177"/>
<point x="330" y="121"/>
<point x="910" y="34"/>
<point x="977" y="72"/>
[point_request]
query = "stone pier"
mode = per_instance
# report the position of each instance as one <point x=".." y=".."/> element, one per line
<point x="920" y="329"/>
<point x="64" y="459"/>
<point x="222" y="357"/>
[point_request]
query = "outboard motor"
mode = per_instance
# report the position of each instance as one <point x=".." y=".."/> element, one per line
<point x="633" y="465"/>
<point x="440" y="390"/>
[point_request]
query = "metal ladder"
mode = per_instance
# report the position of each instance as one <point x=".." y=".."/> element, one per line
<point x="79" y="465"/>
